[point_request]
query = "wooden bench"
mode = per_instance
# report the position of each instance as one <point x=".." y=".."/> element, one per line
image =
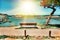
<point x="28" y="25"/>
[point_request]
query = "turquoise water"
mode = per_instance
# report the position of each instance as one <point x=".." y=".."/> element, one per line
<point x="16" y="21"/>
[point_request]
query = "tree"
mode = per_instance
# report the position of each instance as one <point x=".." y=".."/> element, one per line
<point x="50" y="4"/>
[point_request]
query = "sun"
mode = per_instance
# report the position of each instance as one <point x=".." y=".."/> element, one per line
<point x="27" y="7"/>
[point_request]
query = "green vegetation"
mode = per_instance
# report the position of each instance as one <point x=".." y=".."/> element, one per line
<point x="3" y="36"/>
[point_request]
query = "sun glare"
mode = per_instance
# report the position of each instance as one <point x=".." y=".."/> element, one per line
<point x="27" y="7"/>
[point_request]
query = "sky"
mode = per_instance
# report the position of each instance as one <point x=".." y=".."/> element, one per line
<point x="24" y="7"/>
